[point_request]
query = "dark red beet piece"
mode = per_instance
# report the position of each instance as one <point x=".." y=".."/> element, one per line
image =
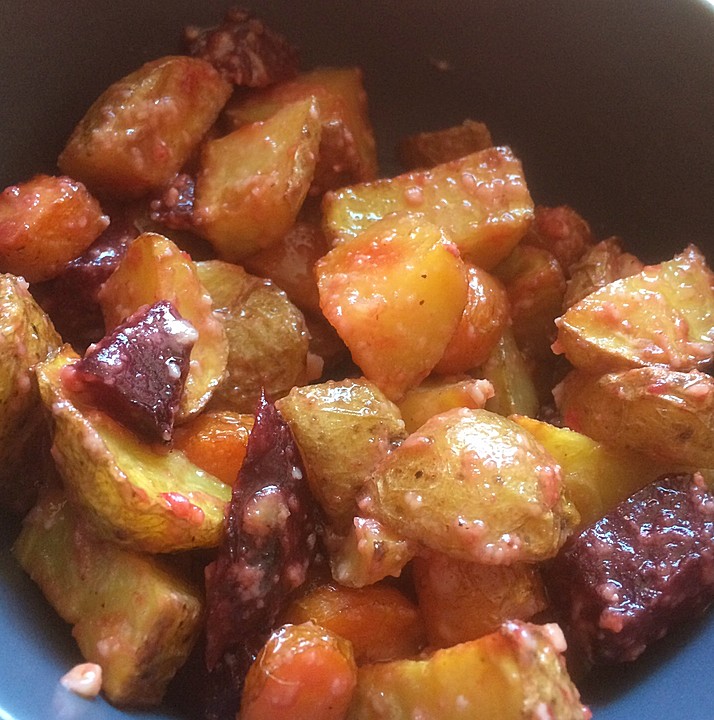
<point x="174" y="207"/>
<point x="244" y="50"/>
<point x="626" y="580"/>
<point x="136" y="374"/>
<point x="269" y="545"/>
<point x="70" y="299"/>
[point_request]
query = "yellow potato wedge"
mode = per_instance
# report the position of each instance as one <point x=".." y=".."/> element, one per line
<point x="481" y="201"/>
<point x="514" y="673"/>
<point x="475" y="486"/>
<point x="267" y="336"/>
<point x="461" y="601"/>
<point x="514" y="391"/>
<point x="437" y="395"/>
<point x="27" y="337"/>
<point x="131" y="494"/>
<point x="664" y="315"/>
<point x="666" y="415"/>
<point x="142" y="129"/>
<point x="133" y="615"/>
<point x="252" y="182"/>
<point x="347" y="151"/>
<point x="153" y="269"/>
<point x="343" y="429"/>
<point x="395" y="295"/>
<point x="596" y="476"/>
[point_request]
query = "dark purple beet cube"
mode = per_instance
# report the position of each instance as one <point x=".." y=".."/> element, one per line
<point x="70" y="299"/>
<point x="623" y="582"/>
<point x="137" y="374"/>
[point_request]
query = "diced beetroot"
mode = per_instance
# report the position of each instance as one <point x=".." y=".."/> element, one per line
<point x="626" y="580"/>
<point x="269" y="545"/>
<point x="244" y="50"/>
<point x="174" y="206"/>
<point x="136" y="374"/>
<point x="70" y="299"/>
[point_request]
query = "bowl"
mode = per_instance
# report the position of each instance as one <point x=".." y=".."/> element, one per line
<point x="609" y="105"/>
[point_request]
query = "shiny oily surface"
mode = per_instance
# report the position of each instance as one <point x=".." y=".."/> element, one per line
<point x="608" y="104"/>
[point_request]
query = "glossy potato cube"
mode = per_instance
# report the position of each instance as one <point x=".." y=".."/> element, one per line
<point x="252" y="182"/>
<point x="142" y="129"/>
<point x="481" y="201"/>
<point x="395" y="295"/>
<point x="347" y="151"/>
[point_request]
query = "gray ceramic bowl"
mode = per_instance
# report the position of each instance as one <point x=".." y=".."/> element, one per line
<point x="609" y="103"/>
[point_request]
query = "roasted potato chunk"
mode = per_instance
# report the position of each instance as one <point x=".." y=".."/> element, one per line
<point x="379" y="621"/>
<point x="253" y="181"/>
<point x="141" y="130"/>
<point x="437" y="395"/>
<point x="153" y="269"/>
<point x="514" y="673"/>
<point x="367" y="553"/>
<point x="133" y="615"/>
<point x="343" y="429"/>
<point x="475" y="486"/>
<point x="426" y="149"/>
<point x="481" y="201"/>
<point x="395" y="294"/>
<point x="597" y="476"/>
<point x="27" y="337"/>
<point x="484" y="319"/>
<point x="664" y="315"/>
<point x="347" y="151"/>
<point x="461" y="601"/>
<point x="661" y="413"/>
<point x="45" y="223"/>
<point x="130" y="493"/>
<point x="513" y="389"/>
<point x="267" y="336"/>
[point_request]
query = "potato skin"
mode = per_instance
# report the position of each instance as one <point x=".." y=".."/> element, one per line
<point x="343" y="429"/>
<point x="27" y="337"/>
<point x="475" y="486"/>
<point x="663" y="315"/>
<point x="267" y="336"/>
<point x="138" y="134"/>
<point x="481" y="201"/>
<point x="655" y="411"/>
